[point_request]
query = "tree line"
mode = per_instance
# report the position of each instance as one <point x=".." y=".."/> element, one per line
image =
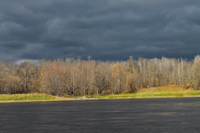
<point x="76" y="77"/>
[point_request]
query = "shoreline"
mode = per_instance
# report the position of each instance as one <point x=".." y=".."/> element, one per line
<point x="93" y="99"/>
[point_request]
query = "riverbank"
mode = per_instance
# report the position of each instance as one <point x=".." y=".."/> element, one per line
<point x="170" y="91"/>
<point x="155" y="92"/>
<point x="35" y="97"/>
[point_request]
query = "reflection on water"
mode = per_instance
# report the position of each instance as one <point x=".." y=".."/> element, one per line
<point x="162" y="113"/>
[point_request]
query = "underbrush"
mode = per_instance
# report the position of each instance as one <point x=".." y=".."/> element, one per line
<point x="163" y="91"/>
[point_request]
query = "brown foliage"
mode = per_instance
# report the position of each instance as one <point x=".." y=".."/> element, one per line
<point x="79" y="77"/>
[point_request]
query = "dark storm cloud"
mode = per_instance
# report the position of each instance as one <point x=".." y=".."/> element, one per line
<point x="105" y="30"/>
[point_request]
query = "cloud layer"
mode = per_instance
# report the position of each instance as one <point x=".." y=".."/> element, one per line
<point x="105" y="30"/>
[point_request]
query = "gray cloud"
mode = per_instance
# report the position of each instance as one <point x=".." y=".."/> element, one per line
<point x="105" y="30"/>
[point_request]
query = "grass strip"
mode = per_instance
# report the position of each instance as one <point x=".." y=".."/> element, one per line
<point x="34" y="96"/>
<point x="150" y="94"/>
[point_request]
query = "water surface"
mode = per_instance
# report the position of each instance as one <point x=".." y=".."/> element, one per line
<point x="100" y="116"/>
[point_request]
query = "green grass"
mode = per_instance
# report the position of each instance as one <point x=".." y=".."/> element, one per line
<point x="20" y="97"/>
<point x="163" y="91"/>
<point x="156" y="93"/>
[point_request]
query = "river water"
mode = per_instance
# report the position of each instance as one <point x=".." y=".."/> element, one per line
<point x="101" y="116"/>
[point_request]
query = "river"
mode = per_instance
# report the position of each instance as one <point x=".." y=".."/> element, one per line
<point x="101" y="116"/>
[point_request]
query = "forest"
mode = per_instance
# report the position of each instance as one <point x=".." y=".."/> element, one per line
<point x="76" y="77"/>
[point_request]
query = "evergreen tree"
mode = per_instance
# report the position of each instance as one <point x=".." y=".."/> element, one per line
<point x="130" y="67"/>
<point x="138" y="69"/>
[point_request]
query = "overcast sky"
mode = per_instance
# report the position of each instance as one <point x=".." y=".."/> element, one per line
<point x="103" y="29"/>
